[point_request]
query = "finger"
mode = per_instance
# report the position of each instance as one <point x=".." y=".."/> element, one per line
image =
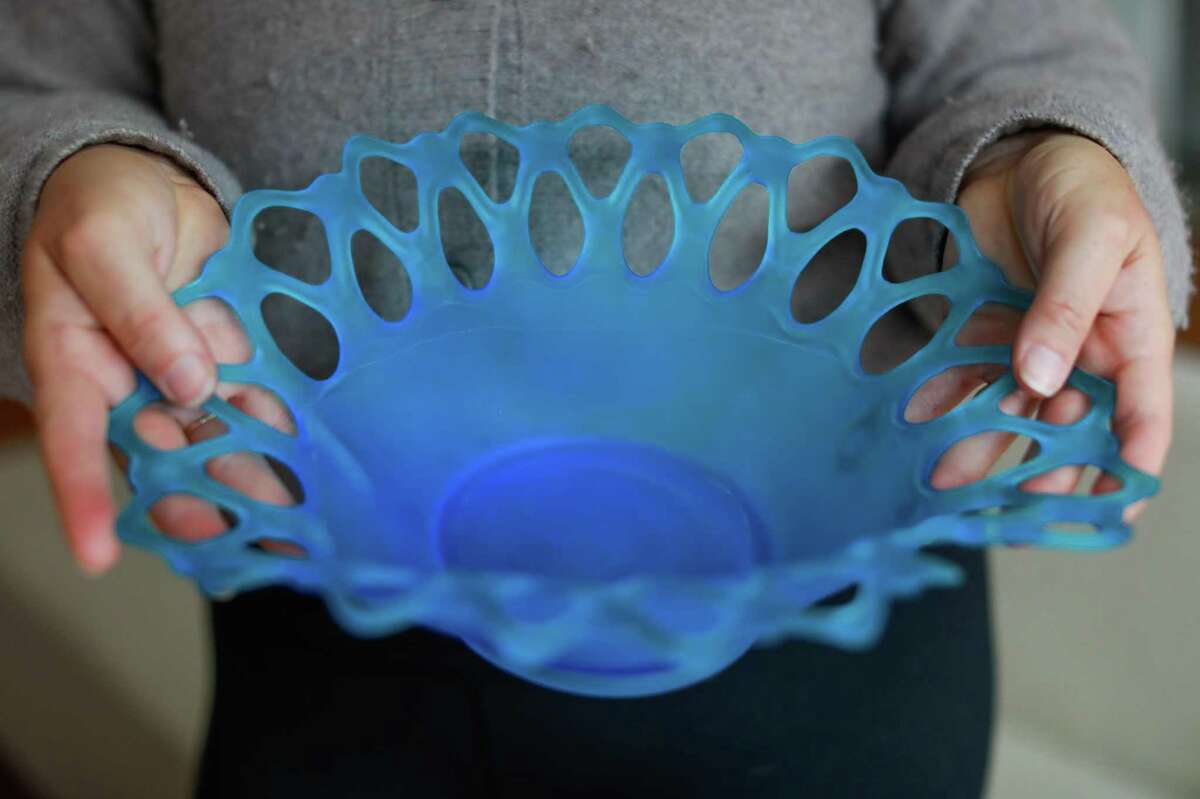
<point x="112" y="264"/>
<point x="971" y="458"/>
<point x="262" y="405"/>
<point x="191" y="518"/>
<point x="249" y="474"/>
<point x="1080" y="264"/>
<point x="990" y="325"/>
<point x="77" y="375"/>
<point x="179" y="516"/>
<point x="1143" y="332"/>
<point x="182" y="516"/>
<point x="201" y="229"/>
<point x="1142" y="422"/>
<point x="72" y="414"/>
<point x="221" y="329"/>
<point x="187" y="518"/>
<point x="1066" y="407"/>
<point x="994" y="232"/>
<point x="946" y="390"/>
<point x="245" y="472"/>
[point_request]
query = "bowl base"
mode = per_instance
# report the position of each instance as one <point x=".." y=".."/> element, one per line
<point x="627" y="683"/>
<point x="586" y="509"/>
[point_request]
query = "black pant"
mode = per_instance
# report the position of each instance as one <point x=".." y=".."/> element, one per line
<point x="301" y="709"/>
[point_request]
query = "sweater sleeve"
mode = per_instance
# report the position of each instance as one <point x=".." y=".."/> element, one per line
<point x="72" y="75"/>
<point x="965" y="73"/>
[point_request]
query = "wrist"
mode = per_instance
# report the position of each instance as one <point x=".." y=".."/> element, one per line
<point x="164" y="165"/>
<point x="1008" y="150"/>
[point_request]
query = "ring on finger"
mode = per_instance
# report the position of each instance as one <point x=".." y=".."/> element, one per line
<point x="193" y="427"/>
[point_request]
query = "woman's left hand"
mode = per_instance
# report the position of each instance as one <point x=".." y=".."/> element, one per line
<point x="1062" y="217"/>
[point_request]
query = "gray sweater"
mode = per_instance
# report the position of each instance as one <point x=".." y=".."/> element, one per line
<point x="257" y="94"/>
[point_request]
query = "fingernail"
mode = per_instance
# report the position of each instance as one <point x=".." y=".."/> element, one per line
<point x="187" y="381"/>
<point x="98" y="555"/>
<point x="89" y="570"/>
<point x="1015" y="403"/>
<point x="1132" y="513"/>
<point x="1043" y="370"/>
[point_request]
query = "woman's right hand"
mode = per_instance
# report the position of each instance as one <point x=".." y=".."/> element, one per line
<point x="116" y="230"/>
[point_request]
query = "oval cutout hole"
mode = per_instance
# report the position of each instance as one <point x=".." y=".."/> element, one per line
<point x="707" y="160"/>
<point x="817" y="188"/>
<point x="492" y="161"/>
<point x="995" y="510"/>
<point x="303" y="335"/>
<point x="381" y="277"/>
<point x="838" y="599"/>
<point x="120" y="457"/>
<point x="1071" y="528"/>
<point x="649" y="227"/>
<point x="262" y="404"/>
<point x="740" y="241"/>
<point x="1104" y="483"/>
<point x="166" y="427"/>
<point x="1081" y="481"/>
<point x="979" y="456"/>
<point x="1066" y="407"/>
<point x="186" y="517"/>
<point x="899" y="334"/>
<point x="257" y="476"/>
<point x="391" y="188"/>
<point x="465" y="240"/>
<point x="293" y="242"/>
<point x="599" y="154"/>
<point x="919" y="246"/>
<point x="992" y="323"/>
<point x="555" y="224"/>
<point x="829" y="277"/>
<point x="955" y="386"/>
<point x="279" y="546"/>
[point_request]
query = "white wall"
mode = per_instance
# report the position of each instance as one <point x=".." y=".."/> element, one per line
<point x="1155" y="26"/>
<point x="1101" y="652"/>
<point x="103" y="683"/>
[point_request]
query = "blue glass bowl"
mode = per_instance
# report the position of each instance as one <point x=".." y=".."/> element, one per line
<point x="607" y="483"/>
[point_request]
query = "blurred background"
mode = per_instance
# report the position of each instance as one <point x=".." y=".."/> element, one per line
<point x="104" y="684"/>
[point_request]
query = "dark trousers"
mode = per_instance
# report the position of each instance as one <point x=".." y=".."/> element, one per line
<point x="301" y="710"/>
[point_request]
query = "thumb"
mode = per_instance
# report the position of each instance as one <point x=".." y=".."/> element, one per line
<point x="1079" y="266"/>
<point x="114" y="267"/>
